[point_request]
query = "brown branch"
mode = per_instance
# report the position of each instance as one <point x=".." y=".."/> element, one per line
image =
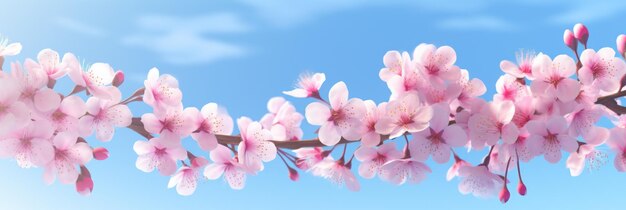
<point x="609" y="102"/>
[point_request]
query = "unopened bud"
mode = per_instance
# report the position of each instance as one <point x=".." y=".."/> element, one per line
<point x="118" y="79"/>
<point x="100" y="153"/>
<point x="570" y="40"/>
<point x="504" y="194"/>
<point x="521" y="188"/>
<point x="621" y="44"/>
<point x="581" y="33"/>
<point x="293" y="174"/>
<point x="84" y="183"/>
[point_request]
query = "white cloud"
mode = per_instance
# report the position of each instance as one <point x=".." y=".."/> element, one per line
<point x="79" y="27"/>
<point x="476" y="23"/>
<point x="187" y="41"/>
<point x="589" y="11"/>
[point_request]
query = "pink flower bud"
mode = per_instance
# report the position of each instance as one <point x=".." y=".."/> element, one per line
<point x="118" y="79"/>
<point x="581" y="33"/>
<point x="504" y="194"/>
<point x="621" y="44"/>
<point x="100" y="153"/>
<point x="84" y="183"/>
<point x="570" y="40"/>
<point x="521" y="188"/>
<point x="293" y="174"/>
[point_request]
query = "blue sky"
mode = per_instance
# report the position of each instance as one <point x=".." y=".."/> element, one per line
<point x="241" y="53"/>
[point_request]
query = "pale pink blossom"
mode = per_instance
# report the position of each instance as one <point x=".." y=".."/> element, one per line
<point x="408" y="82"/>
<point x="338" y="173"/>
<point x="283" y="121"/>
<point x="308" y="86"/>
<point x="30" y="145"/>
<point x="159" y="153"/>
<point x="470" y="89"/>
<point x="394" y="62"/>
<point x="62" y="114"/>
<point x="161" y="91"/>
<point x="453" y="171"/>
<point x="369" y="136"/>
<point x="492" y="123"/>
<point x="602" y="69"/>
<point x="550" y="136"/>
<point x="436" y="64"/>
<point x="433" y="94"/>
<point x="224" y="163"/>
<point x="13" y="113"/>
<point x="7" y="49"/>
<point x="588" y="152"/>
<point x="211" y="120"/>
<point x="582" y="119"/>
<point x="552" y="77"/>
<point x="617" y="143"/>
<point x="68" y="153"/>
<point x="173" y="122"/>
<point x="439" y="138"/>
<point x="309" y="157"/>
<point x="372" y="159"/>
<point x="400" y="171"/>
<point x="404" y="115"/>
<point x="29" y="82"/>
<point x="524" y="111"/>
<point x="48" y="62"/>
<point x="94" y="79"/>
<point x="479" y="181"/>
<point x="342" y="119"/>
<point x="254" y="149"/>
<point x="509" y="88"/>
<point x="104" y="115"/>
<point x="186" y="179"/>
<point x="524" y="67"/>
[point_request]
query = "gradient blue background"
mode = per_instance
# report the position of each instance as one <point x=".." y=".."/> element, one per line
<point x="241" y="53"/>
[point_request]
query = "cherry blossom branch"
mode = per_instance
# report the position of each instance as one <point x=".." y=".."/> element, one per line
<point x="609" y="102"/>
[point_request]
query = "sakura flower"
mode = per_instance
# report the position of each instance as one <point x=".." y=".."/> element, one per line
<point x="84" y="183"/>
<point x="453" y="171"/>
<point x="308" y="86"/>
<point x="211" y="120"/>
<point x="509" y="88"/>
<point x="173" y="122"/>
<point x="436" y="64"/>
<point x="254" y="149"/>
<point x="49" y="63"/>
<point x="7" y="49"/>
<point x="524" y="111"/>
<point x="588" y="153"/>
<point x="399" y="171"/>
<point x="29" y="145"/>
<point x="342" y="119"/>
<point x="309" y="157"/>
<point x="470" y="89"/>
<point x="550" y="136"/>
<point x="282" y="120"/>
<point x="13" y="114"/>
<point x="223" y="163"/>
<point x="409" y="82"/>
<point x="492" y="123"/>
<point x="583" y="118"/>
<point x="161" y="91"/>
<point x="617" y="143"/>
<point x="439" y="138"/>
<point x="602" y="69"/>
<point x="159" y="153"/>
<point x="67" y="154"/>
<point x="104" y="115"/>
<point x="524" y="67"/>
<point x="433" y="94"/>
<point x="62" y="114"/>
<point x="186" y="179"/>
<point x="338" y="172"/>
<point x="394" y="62"/>
<point x="369" y="135"/>
<point x="372" y="159"/>
<point x="98" y="76"/>
<point x="479" y="181"/>
<point x="552" y="77"/>
<point x="29" y="82"/>
<point x="404" y="115"/>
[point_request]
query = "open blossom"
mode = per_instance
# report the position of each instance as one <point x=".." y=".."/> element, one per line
<point x="602" y="69"/>
<point x="369" y="135"/>
<point x="159" y="153"/>
<point x="372" y="159"/>
<point x="104" y="115"/>
<point x="161" y="91"/>
<point x="309" y="157"/>
<point x="400" y="171"/>
<point x="7" y="49"/>
<point x="588" y="153"/>
<point x="436" y="64"/>
<point x="492" y="123"/>
<point x="67" y="154"/>
<point x="211" y="120"/>
<point x="49" y="63"/>
<point x="408" y="82"/>
<point x="470" y="89"/>
<point x="479" y="181"/>
<point x="94" y="79"/>
<point x="617" y="143"/>
<point x="186" y="179"/>
<point x="509" y="88"/>
<point x="337" y="172"/>
<point x="29" y="145"/>
<point x="439" y="138"/>
<point x="552" y="77"/>
<point x="583" y="118"/>
<point x="254" y="149"/>
<point x="394" y="62"/>
<point x="28" y="81"/>
<point x="308" y="86"/>
<point x="342" y="119"/>
<point x="62" y="114"/>
<point x="550" y="136"/>
<point x="453" y="171"/>
<point x="13" y="114"/>
<point x="173" y="122"/>
<point x="524" y="67"/>
<point x="404" y="115"/>
<point x="225" y="164"/>
<point x="283" y="121"/>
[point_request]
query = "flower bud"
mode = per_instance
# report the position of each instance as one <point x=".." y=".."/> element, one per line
<point x="84" y="183"/>
<point x="521" y="188"/>
<point x="504" y="195"/>
<point x="100" y="153"/>
<point x="293" y="174"/>
<point x="621" y="44"/>
<point x="118" y="79"/>
<point x="570" y="40"/>
<point x="581" y="33"/>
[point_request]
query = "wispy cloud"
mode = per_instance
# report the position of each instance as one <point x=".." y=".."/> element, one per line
<point x="476" y="23"/>
<point x="191" y="40"/>
<point x="587" y="11"/>
<point x="79" y="27"/>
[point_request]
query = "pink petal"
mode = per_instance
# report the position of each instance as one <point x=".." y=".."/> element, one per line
<point x="597" y="135"/>
<point x="66" y="172"/>
<point x="221" y="154"/>
<point x="338" y="95"/>
<point x="568" y="143"/>
<point x="575" y="163"/>
<point x="206" y="141"/>
<point x="267" y="151"/>
<point x="298" y="93"/>
<point x="510" y="132"/>
<point x="166" y="166"/>
<point x="47" y="99"/>
<point x="11" y="49"/>
<point x="441" y="154"/>
<point x="505" y="111"/>
<point x="214" y="171"/>
<point x="455" y="136"/>
<point x="440" y="117"/>
<point x="510" y="68"/>
<point x="365" y="154"/>
<point x="445" y="55"/>
<point x="73" y="106"/>
<point x="368" y="169"/>
<point x="370" y="139"/>
<point x="120" y="115"/>
<point x="568" y="89"/>
<point x="151" y="123"/>
<point x="235" y="178"/>
<point x="143" y="147"/>
<point x="104" y="131"/>
<point x="556" y="125"/>
<point x="620" y="163"/>
<point x="317" y="113"/>
<point x="64" y="140"/>
<point x="329" y="134"/>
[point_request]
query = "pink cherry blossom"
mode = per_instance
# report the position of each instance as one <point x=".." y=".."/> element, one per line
<point x="404" y="115"/>
<point x="436" y="64"/>
<point x="602" y="69"/>
<point x="308" y="86"/>
<point x="84" y="183"/>
<point x="174" y="122"/>
<point x="309" y="157"/>
<point x="186" y="179"/>
<point x="621" y="44"/>
<point x="7" y="49"/>
<point x="583" y="118"/>
<point x="254" y="149"/>
<point x="588" y="153"/>
<point x="342" y="119"/>
<point x="338" y="173"/>
<point x="479" y="181"/>
<point x="224" y="163"/>
<point x="408" y="82"/>
<point x="62" y="114"/>
<point x="552" y="77"/>
<point x="28" y="81"/>
<point x="433" y="95"/>
<point x="95" y="79"/>
<point x="492" y="123"/>
<point x="394" y="62"/>
<point x="617" y="143"/>
<point x="211" y="120"/>
<point x="283" y="121"/>
<point x="453" y="171"/>
<point x="550" y="136"/>
<point x="161" y="91"/>
<point x="29" y="145"/>
<point x="524" y="67"/>
<point x="159" y="153"/>
<point x="372" y="159"/>
<point x="104" y="115"/>
<point x="67" y="154"/>
<point x="509" y="88"/>
<point x="400" y="171"/>
<point x="369" y="135"/>
<point x="49" y="63"/>
<point x="524" y="111"/>
<point x="470" y="89"/>
<point x="13" y="114"/>
<point x="439" y="138"/>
